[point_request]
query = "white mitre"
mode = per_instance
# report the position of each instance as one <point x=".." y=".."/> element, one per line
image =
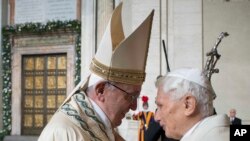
<point x="119" y="58"/>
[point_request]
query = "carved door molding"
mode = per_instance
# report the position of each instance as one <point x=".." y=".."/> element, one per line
<point x="38" y="45"/>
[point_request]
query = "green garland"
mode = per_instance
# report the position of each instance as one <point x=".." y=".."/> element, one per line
<point x="33" y="28"/>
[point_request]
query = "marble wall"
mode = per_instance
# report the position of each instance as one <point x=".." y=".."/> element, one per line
<point x="232" y="83"/>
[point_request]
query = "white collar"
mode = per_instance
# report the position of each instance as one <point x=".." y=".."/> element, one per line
<point x="206" y="125"/>
<point x="189" y="132"/>
<point x="105" y="120"/>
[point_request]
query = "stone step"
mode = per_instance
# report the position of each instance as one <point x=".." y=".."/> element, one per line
<point x="20" y="138"/>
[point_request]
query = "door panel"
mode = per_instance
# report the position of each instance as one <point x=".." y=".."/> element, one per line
<point x="44" y="80"/>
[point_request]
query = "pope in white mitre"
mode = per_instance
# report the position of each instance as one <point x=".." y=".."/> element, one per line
<point x="99" y="103"/>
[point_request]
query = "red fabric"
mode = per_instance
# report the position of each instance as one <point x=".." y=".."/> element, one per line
<point x="144" y="99"/>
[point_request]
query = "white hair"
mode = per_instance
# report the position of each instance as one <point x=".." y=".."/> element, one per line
<point x="179" y="87"/>
<point x="94" y="79"/>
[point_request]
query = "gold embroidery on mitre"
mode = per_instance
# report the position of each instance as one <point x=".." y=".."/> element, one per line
<point x="126" y="76"/>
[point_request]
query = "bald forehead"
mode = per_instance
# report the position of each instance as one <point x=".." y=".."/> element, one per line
<point x="232" y="111"/>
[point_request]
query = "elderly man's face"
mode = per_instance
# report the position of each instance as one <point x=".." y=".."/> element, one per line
<point x="169" y="114"/>
<point x="232" y="113"/>
<point x="119" y="99"/>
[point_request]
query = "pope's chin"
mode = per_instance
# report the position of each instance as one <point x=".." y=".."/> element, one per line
<point x="118" y="120"/>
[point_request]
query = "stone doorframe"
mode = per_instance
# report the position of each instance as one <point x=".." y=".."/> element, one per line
<point x="17" y="54"/>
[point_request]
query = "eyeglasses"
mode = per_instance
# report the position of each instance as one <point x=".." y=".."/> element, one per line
<point x="132" y="96"/>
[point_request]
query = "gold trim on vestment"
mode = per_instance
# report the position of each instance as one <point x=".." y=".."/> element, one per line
<point x="127" y="76"/>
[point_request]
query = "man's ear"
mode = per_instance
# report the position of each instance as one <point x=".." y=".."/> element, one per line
<point x="190" y="103"/>
<point x="99" y="90"/>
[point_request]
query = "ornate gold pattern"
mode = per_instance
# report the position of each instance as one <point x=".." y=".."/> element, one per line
<point x="44" y="89"/>
<point x="51" y="101"/>
<point x="118" y="75"/>
<point x="39" y="63"/>
<point x="39" y="101"/>
<point x="51" y="63"/>
<point x="61" y="80"/>
<point x="28" y="82"/>
<point x="60" y="99"/>
<point x="38" y="120"/>
<point x="28" y="120"/>
<point x="51" y="82"/>
<point x="62" y="62"/>
<point x="29" y="63"/>
<point x="39" y="82"/>
<point x="28" y="101"/>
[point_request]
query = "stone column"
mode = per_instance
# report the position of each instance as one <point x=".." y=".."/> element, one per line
<point x="88" y="43"/>
<point x="95" y="17"/>
<point x="185" y="33"/>
<point x="104" y="12"/>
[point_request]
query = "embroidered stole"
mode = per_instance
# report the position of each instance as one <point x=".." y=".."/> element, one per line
<point x="80" y="110"/>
